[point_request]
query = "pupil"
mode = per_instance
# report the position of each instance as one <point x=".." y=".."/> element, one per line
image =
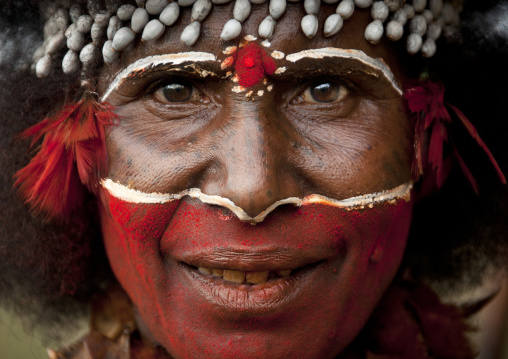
<point x="325" y="92"/>
<point x="177" y="92"/>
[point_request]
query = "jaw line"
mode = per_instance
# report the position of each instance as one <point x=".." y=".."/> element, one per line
<point x="358" y="202"/>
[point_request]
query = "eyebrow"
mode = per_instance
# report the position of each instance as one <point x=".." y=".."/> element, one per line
<point x="157" y="60"/>
<point x="377" y="65"/>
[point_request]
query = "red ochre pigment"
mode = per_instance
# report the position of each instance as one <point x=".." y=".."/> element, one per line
<point x="363" y="249"/>
<point x="252" y="65"/>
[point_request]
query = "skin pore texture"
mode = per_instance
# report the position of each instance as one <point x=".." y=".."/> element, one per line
<point x="325" y="125"/>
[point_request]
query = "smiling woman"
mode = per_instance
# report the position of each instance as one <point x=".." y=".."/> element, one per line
<point x="245" y="188"/>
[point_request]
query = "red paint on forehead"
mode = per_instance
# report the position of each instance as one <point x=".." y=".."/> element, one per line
<point x="253" y="64"/>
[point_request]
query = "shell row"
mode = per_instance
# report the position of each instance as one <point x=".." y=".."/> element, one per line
<point x="88" y="36"/>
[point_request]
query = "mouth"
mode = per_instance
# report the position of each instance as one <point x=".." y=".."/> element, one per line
<point x="258" y="292"/>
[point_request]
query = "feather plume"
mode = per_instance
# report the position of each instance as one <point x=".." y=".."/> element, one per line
<point x="72" y="156"/>
<point x="426" y="101"/>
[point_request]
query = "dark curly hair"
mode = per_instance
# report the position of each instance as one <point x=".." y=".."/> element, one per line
<point x="50" y="271"/>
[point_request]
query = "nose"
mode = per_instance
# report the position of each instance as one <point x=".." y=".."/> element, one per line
<point x="254" y="166"/>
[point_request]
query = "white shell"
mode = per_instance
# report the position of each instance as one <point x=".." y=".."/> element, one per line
<point x="191" y="33"/>
<point x="418" y="25"/>
<point x="70" y="29"/>
<point x="277" y="8"/>
<point x="70" y="62"/>
<point x="309" y="25"/>
<point x="220" y="2"/>
<point x="201" y="9"/>
<point x="170" y="14"/>
<point x="76" y="41"/>
<point x="448" y="13"/>
<point x="257" y="2"/>
<point x="428" y="15"/>
<point x="394" y="30"/>
<point x="101" y="19"/>
<point x="108" y="53"/>
<point x="185" y="3"/>
<point x="84" y="24"/>
<point x="419" y="5"/>
<point x="363" y="4"/>
<point x="400" y="16"/>
<point x="139" y="20"/>
<point x="39" y="53"/>
<point x="97" y="33"/>
<point x="231" y="30"/>
<point x="241" y="10"/>
<point x="114" y="25"/>
<point x="125" y="12"/>
<point x="88" y="54"/>
<point x="312" y="6"/>
<point x="374" y="32"/>
<point x="414" y="43"/>
<point x="434" y="30"/>
<point x="330" y="1"/>
<point x="333" y="24"/>
<point x="267" y="27"/>
<point x="393" y="5"/>
<point x="436" y="6"/>
<point x="123" y="37"/>
<point x="345" y="9"/>
<point x="155" y="7"/>
<point x="55" y="43"/>
<point x="61" y="19"/>
<point x="153" y="30"/>
<point x="74" y="13"/>
<point x="410" y="11"/>
<point x="43" y="67"/>
<point x="429" y="48"/>
<point x="379" y="11"/>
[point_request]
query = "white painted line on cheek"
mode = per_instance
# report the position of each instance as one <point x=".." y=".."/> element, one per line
<point x="361" y="56"/>
<point x="150" y="61"/>
<point x="369" y="200"/>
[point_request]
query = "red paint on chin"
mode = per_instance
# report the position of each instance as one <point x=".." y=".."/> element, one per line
<point x="360" y="252"/>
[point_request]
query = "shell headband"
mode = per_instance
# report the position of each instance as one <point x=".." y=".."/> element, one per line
<point x="88" y="36"/>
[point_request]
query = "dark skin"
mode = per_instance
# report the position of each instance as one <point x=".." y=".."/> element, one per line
<point x="348" y="138"/>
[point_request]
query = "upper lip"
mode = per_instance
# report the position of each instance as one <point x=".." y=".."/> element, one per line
<point x="253" y="260"/>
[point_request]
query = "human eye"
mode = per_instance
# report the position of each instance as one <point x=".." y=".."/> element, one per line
<point x="324" y="92"/>
<point x="178" y="91"/>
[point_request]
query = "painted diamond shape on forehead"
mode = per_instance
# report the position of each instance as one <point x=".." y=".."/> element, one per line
<point x="377" y="65"/>
<point x="151" y="61"/>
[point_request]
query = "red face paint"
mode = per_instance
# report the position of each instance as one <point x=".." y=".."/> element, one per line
<point x="252" y="64"/>
<point x="342" y="262"/>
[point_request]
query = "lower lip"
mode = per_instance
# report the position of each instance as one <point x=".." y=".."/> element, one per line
<point x="266" y="298"/>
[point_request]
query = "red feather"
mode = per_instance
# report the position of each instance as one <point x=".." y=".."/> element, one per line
<point x="72" y="155"/>
<point x="426" y="100"/>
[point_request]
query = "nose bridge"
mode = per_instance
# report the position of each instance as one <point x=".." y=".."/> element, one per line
<point x="253" y="161"/>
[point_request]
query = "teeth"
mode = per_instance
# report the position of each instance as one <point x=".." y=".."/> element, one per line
<point x="204" y="270"/>
<point x="284" y="273"/>
<point x="234" y="276"/>
<point x="245" y="277"/>
<point x="257" y="277"/>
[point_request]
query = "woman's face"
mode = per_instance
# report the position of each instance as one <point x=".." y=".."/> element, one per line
<point x="330" y="122"/>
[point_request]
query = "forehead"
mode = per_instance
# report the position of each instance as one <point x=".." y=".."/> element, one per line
<point x="288" y="37"/>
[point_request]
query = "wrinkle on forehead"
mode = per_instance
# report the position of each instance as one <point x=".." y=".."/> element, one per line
<point x="151" y="61"/>
<point x="377" y="65"/>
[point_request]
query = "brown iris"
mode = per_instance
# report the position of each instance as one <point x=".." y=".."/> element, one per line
<point x="325" y="92"/>
<point x="177" y="92"/>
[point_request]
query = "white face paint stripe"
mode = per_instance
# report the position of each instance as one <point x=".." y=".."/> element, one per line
<point x="134" y="196"/>
<point x="375" y="64"/>
<point x="150" y="61"/>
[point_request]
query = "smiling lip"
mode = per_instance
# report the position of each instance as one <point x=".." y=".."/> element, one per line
<point x="265" y="298"/>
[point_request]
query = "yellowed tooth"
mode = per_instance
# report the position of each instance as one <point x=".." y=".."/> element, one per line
<point x="284" y="273"/>
<point x="204" y="270"/>
<point x="257" y="277"/>
<point x="217" y="272"/>
<point x="234" y="276"/>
